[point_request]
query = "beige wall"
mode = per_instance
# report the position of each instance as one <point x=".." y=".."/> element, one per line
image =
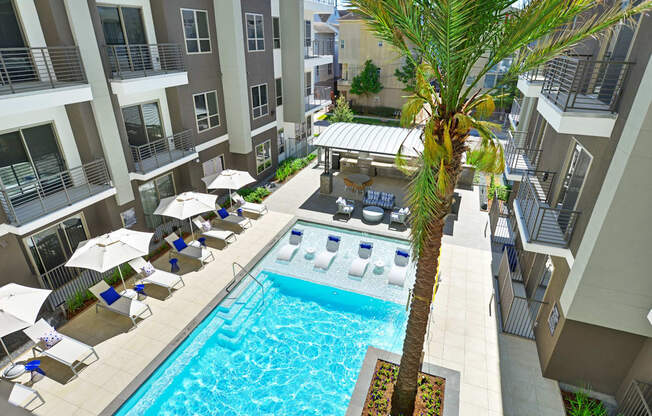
<point x="641" y="369"/>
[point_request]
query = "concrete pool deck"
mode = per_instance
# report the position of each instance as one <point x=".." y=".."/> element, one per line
<point x="499" y="373"/>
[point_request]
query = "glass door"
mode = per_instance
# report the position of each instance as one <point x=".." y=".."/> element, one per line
<point x="143" y="125"/>
<point x="16" y="65"/>
<point x="124" y="30"/>
<point x="151" y="194"/>
<point x="573" y="181"/>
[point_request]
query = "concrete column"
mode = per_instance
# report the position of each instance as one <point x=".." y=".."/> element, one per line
<point x="292" y="41"/>
<point x="81" y="24"/>
<point x="231" y="46"/>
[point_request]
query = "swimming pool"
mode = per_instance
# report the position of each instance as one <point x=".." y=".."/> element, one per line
<point x="293" y="347"/>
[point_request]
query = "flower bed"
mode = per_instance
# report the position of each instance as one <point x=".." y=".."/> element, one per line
<point x="430" y="394"/>
<point x="580" y="404"/>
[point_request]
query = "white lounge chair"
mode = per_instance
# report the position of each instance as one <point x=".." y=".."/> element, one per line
<point x="131" y="308"/>
<point x="225" y="236"/>
<point x="194" y="249"/>
<point x="324" y="258"/>
<point x="399" y="216"/>
<point x="242" y="222"/>
<point x="359" y="265"/>
<point x="68" y="351"/>
<point x="259" y="209"/>
<point x="286" y="252"/>
<point x="158" y="277"/>
<point x="19" y="394"/>
<point x="345" y="207"/>
<point x="397" y="274"/>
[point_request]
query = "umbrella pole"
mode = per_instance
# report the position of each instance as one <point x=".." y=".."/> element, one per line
<point x="7" y="351"/>
<point x="230" y="201"/>
<point x="124" y="285"/>
<point x="192" y="233"/>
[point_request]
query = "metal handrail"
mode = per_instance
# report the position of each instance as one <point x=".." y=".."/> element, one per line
<point x="516" y="146"/>
<point x="32" y="69"/>
<point x="637" y="400"/>
<point x="320" y="95"/>
<point x="319" y="47"/>
<point x="31" y="199"/>
<point x="515" y="111"/>
<point x="162" y="151"/>
<point x="247" y="273"/>
<point x="135" y="61"/>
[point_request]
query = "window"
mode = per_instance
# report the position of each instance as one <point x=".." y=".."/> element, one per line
<point x="143" y="124"/>
<point x="151" y="194"/>
<point x="277" y="32"/>
<point x="342" y="44"/>
<point x="259" y="100"/>
<point x="263" y="156"/>
<point x="470" y="79"/>
<point x="123" y="26"/>
<point x="213" y="166"/>
<point x="281" y="142"/>
<point x="553" y="318"/>
<point x="255" y="32"/>
<point x="279" y="91"/>
<point x="317" y="72"/>
<point x="308" y="83"/>
<point x="195" y="30"/>
<point x="329" y="69"/>
<point x="573" y="182"/>
<point x="308" y="34"/>
<point x="207" y="114"/>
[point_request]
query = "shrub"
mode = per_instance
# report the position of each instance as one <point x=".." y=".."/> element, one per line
<point x="379" y="111"/>
<point x="76" y="301"/>
<point x="582" y="405"/>
<point x="311" y="156"/>
<point x="254" y="195"/>
<point x="290" y="166"/>
<point x="115" y="276"/>
<point x="341" y="113"/>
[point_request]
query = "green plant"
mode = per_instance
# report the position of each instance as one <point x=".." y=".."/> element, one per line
<point x="582" y="405"/>
<point x="114" y="277"/>
<point x="367" y="81"/>
<point x="311" y="157"/>
<point x="342" y="112"/>
<point x="407" y="73"/>
<point x="255" y="195"/>
<point x="77" y="300"/>
<point x="454" y="38"/>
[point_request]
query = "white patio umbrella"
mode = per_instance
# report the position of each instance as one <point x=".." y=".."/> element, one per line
<point x="19" y="306"/>
<point x="186" y="205"/>
<point x="228" y="179"/>
<point x="110" y="250"/>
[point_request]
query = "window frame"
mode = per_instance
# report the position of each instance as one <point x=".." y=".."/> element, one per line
<point x="279" y="91"/>
<point x="261" y="105"/>
<point x="256" y="34"/>
<point x="276" y="32"/>
<point x="265" y="160"/>
<point x="208" y="115"/>
<point x="280" y="138"/>
<point x="142" y="118"/>
<point x="198" y="39"/>
<point x="329" y="69"/>
<point x="213" y="159"/>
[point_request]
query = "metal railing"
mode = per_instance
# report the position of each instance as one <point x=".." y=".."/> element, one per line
<point x="326" y="2"/>
<point x="321" y="95"/>
<point x="29" y="200"/>
<point x="31" y="69"/>
<point x="67" y="281"/>
<point x="515" y="112"/>
<point x="319" y="47"/>
<point x="574" y="83"/>
<point x="544" y="224"/>
<point x="518" y="155"/>
<point x="134" y="61"/>
<point x="152" y="155"/>
<point x="535" y="75"/>
<point x="637" y="400"/>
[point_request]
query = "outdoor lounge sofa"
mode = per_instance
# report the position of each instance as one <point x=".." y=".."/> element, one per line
<point x="19" y="394"/>
<point x="225" y="236"/>
<point x="131" y="308"/>
<point x="324" y="259"/>
<point x="344" y="207"/>
<point x="398" y="272"/>
<point x="287" y="251"/>
<point x="259" y="209"/>
<point x="194" y="250"/>
<point x="67" y="351"/>
<point x="156" y="277"/>
<point x="359" y="265"/>
<point x="399" y="216"/>
<point x="383" y="200"/>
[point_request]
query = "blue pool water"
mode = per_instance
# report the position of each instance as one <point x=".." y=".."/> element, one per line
<point x="296" y="350"/>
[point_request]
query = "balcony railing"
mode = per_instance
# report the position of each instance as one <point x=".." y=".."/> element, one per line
<point x="66" y="281"/>
<point x="637" y="400"/>
<point x="574" y="83"/>
<point x="543" y="223"/>
<point x="519" y="156"/>
<point x="321" y="95"/>
<point x="32" y="69"/>
<point x="161" y="152"/>
<point x="515" y="112"/>
<point x="319" y="47"/>
<point x="535" y="75"/>
<point x="135" y="61"/>
<point x="326" y="2"/>
<point x="31" y="200"/>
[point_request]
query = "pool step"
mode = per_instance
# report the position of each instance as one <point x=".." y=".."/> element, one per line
<point x="232" y="304"/>
<point x="230" y="329"/>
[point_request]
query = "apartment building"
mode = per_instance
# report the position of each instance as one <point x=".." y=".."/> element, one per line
<point x="106" y="108"/>
<point x="574" y="274"/>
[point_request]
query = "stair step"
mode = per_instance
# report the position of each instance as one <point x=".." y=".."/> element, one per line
<point x="240" y="295"/>
<point x="230" y="329"/>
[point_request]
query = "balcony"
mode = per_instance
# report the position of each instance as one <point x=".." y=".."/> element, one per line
<point x="318" y="52"/>
<point x="515" y="113"/>
<point x="543" y="227"/>
<point x="140" y="68"/>
<point x="530" y="82"/>
<point x="35" y="201"/>
<point x="38" y="78"/>
<point x="580" y="96"/>
<point x="637" y="400"/>
<point x="519" y="156"/>
<point x="320" y="98"/>
<point x="164" y="154"/>
<point x="319" y="6"/>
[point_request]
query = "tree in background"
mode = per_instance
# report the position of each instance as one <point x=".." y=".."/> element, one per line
<point x="453" y="37"/>
<point x="407" y="73"/>
<point x="342" y="113"/>
<point x="367" y="81"/>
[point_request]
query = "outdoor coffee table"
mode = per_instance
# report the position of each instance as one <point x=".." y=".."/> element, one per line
<point x="379" y="267"/>
<point x="310" y="252"/>
<point x="373" y="214"/>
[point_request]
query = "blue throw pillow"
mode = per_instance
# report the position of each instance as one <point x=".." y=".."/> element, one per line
<point x="297" y="232"/>
<point x="179" y="244"/>
<point x="402" y="253"/>
<point x="110" y="295"/>
<point x="365" y="245"/>
<point x="334" y="238"/>
<point x="223" y="213"/>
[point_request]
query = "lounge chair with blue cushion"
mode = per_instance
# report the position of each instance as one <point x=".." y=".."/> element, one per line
<point x="359" y="265"/>
<point x="194" y="249"/>
<point x="242" y="222"/>
<point x="324" y="259"/>
<point x="397" y="274"/>
<point x="109" y="299"/>
<point x="287" y="251"/>
<point x="146" y="273"/>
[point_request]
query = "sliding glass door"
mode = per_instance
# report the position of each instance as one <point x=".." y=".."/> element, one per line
<point x="151" y="194"/>
<point x="124" y="31"/>
<point x="16" y="65"/>
<point x="573" y="181"/>
<point x="143" y="123"/>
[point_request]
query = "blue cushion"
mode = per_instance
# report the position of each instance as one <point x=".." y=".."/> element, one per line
<point x="297" y="232"/>
<point x="179" y="244"/>
<point x="365" y="245"/>
<point x="110" y="295"/>
<point x="334" y="238"/>
<point x="223" y="213"/>
<point x="402" y="253"/>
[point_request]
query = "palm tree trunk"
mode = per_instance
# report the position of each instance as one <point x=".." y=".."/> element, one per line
<point x="406" y="385"/>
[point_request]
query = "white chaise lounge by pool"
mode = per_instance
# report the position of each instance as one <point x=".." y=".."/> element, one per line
<point x="131" y="308"/>
<point x="148" y="274"/>
<point x="359" y="265"/>
<point x="209" y="231"/>
<point x="324" y="258"/>
<point x="397" y="274"/>
<point x="194" y="249"/>
<point x="287" y="251"/>
<point x="242" y="222"/>
<point x="258" y="209"/>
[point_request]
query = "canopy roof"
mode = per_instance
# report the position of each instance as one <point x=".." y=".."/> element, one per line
<point x="372" y="139"/>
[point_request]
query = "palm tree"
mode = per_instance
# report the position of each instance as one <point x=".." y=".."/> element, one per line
<point x="451" y="37"/>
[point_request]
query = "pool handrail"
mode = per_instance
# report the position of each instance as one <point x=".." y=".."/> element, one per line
<point x="262" y="288"/>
